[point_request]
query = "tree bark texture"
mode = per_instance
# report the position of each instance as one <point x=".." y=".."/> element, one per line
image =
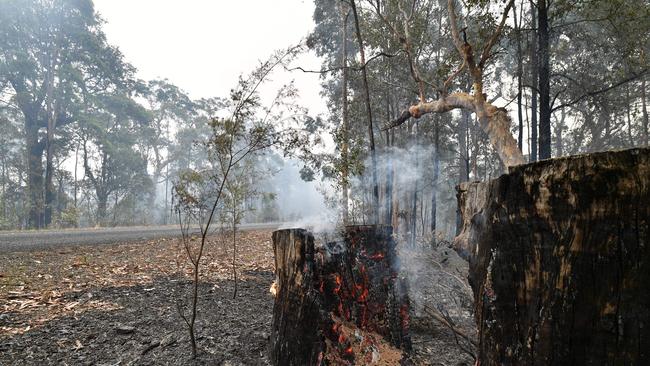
<point x="336" y="302"/>
<point x="559" y="256"/>
<point x="294" y="340"/>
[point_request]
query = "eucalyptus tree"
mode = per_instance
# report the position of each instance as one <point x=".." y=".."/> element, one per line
<point x="171" y="110"/>
<point x="581" y="52"/>
<point x="53" y="54"/>
<point x="114" y="168"/>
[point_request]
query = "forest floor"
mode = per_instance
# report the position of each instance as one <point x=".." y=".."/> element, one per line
<point x="118" y="304"/>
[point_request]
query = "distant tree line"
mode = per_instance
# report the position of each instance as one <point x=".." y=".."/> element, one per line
<point x="83" y="141"/>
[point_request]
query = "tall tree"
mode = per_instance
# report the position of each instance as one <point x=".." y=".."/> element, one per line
<point x="49" y="54"/>
<point x="494" y="121"/>
<point x="544" y="79"/>
<point x="112" y="164"/>
<point x="345" y="13"/>
<point x="371" y="132"/>
<point x="534" y="67"/>
<point x="170" y="108"/>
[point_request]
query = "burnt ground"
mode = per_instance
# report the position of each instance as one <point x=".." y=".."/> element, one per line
<point x="118" y="304"/>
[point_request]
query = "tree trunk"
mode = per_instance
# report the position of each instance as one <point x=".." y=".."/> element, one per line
<point x="295" y="339"/>
<point x="371" y="133"/>
<point x="327" y="294"/>
<point x="544" y="81"/>
<point x="76" y="164"/>
<point x="102" y="208"/>
<point x="3" y="198"/>
<point x="560" y="261"/>
<point x="344" y="117"/>
<point x="434" y="183"/>
<point x="520" y="68"/>
<point x="388" y="204"/>
<point x="644" y="109"/>
<point x="413" y="224"/>
<point x="49" y="177"/>
<point x="463" y="158"/>
<point x="559" y="130"/>
<point x="34" y="149"/>
<point x="534" y="81"/>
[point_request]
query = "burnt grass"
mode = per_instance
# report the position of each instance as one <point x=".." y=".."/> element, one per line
<point x="58" y="309"/>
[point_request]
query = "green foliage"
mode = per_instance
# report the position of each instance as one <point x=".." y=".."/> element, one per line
<point x="68" y="218"/>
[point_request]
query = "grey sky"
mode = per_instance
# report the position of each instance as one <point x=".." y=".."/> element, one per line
<point x="203" y="46"/>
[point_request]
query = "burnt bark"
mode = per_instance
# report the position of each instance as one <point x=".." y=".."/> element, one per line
<point x="326" y="293"/>
<point x="294" y="337"/>
<point x="560" y="261"/>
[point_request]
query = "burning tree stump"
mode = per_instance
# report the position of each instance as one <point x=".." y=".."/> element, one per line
<point x="559" y="258"/>
<point x="296" y="309"/>
<point x="338" y="303"/>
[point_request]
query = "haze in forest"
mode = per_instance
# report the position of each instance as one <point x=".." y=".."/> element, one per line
<point x="324" y="181"/>
<point x="370" y="113"/>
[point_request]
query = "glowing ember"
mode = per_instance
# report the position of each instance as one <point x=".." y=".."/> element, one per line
<point x="339" y="282"/>
<point x="361" y="306"/>
<point x="364" y="295"/>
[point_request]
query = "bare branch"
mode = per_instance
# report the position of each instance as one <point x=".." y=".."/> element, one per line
<point x="593" y="93"/>
<point x="495" y="36"/>
<point x="357" y="68"/>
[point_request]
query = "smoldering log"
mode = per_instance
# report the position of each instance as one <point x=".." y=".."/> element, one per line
<point x="338" y="302"/>
<point x="559" y="255"/>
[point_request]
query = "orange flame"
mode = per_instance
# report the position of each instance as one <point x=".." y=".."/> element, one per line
<point x="339" y="282"/>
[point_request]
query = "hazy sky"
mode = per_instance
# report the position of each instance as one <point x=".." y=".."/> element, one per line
<point x="203" y="46"/>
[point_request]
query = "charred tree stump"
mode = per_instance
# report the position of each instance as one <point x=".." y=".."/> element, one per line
<point x="296" y="308"/>
<point x="559" y="256"/>
<point x="341" y="302"/>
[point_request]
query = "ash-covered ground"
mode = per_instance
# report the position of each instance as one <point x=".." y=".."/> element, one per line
<point x="118" y="304"/>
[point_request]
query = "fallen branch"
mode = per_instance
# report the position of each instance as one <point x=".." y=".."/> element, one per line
<point x="496" y="123"/>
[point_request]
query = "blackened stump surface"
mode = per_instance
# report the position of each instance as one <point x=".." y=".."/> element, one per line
<point x="560" y="261"/>
<point x="295" y="339"/>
